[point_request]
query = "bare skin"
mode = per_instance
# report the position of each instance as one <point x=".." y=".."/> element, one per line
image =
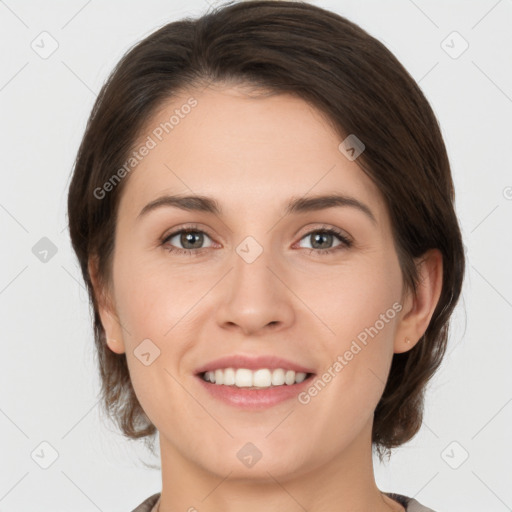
<point x="253" y="155"/>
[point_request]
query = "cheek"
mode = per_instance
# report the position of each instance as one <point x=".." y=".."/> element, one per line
<point x="153" y="305"/>
<point x="357" y="357"/>
<point x="361" y="308"/>
<point x="151" y="295"/>
<point x="358" y="297"/>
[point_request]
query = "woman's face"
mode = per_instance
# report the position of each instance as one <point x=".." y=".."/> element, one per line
<point x="256" y="280"/>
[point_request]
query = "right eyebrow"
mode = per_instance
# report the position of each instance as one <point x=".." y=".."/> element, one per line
<point x="189" y="203"/>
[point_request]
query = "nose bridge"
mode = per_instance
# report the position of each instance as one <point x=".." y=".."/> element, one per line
<point x="251" y="277"/>
<point x="254" y="296"/>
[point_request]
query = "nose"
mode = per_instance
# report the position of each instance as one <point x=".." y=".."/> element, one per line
<point x="254" y="296"/>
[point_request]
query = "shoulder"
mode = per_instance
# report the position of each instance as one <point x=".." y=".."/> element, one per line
<point x="410" y="504"/>
<point x="147" y="504"/>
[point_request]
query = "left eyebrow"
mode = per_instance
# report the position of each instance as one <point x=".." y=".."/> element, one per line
<point x="315" y="203"/>
<point x="207" y="204"/>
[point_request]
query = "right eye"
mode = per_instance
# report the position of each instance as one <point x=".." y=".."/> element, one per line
<point x="191" y="240"/>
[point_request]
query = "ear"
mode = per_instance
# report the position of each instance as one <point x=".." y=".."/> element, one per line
<point x="419" y="308"/>
<point x="106" y="309"/>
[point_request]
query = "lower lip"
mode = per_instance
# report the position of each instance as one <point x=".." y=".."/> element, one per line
<point x="254" y="398"/>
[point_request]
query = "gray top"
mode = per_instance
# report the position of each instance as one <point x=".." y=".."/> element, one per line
<point x="410" y="504"/>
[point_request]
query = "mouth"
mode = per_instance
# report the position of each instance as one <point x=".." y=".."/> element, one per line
<point x="238" y="389"/>
<point x="250" y="381"/>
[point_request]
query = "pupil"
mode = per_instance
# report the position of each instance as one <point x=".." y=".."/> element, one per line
<point x="189" y="237"/>
<point x="317" y="236"/>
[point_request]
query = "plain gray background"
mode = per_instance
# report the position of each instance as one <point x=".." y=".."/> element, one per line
<point x="460" y="461"/>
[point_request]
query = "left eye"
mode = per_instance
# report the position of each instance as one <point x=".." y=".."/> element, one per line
<point x="323" y="237"/>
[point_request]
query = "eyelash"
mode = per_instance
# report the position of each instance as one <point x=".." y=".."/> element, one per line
<point x="346" y="243"/>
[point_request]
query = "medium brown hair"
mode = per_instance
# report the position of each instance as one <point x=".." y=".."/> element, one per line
<point x="334" y="65"/>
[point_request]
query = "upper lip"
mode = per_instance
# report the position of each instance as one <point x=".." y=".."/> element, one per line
<point x="252" y="363"/>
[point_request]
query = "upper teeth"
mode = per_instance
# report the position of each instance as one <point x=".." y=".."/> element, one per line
<point x="244" y="378"/>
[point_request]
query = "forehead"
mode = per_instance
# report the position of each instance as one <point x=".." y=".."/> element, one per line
<point x="246" y="150"/>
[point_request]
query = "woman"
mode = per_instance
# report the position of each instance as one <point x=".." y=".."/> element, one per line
<point x="262" y="208"/>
